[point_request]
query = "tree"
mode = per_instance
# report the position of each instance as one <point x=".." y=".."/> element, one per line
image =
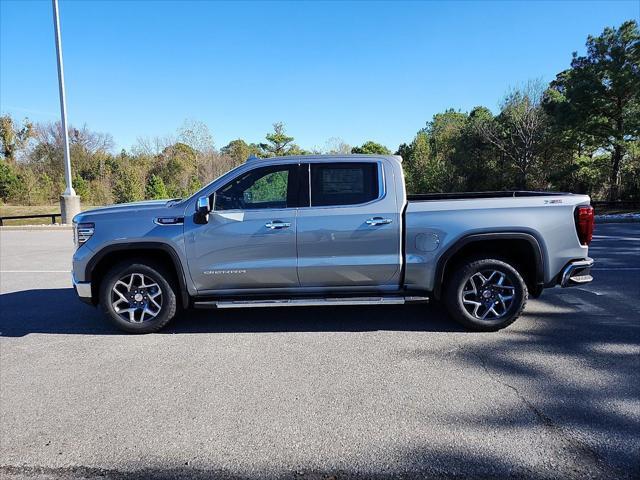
<point x="476" y="163"/>
<point x="12" y="137"/>
<point x="8" y="180"/>
<point x="599" y="95"/>
<point x="278" y="142"/>
<point x="129" y="186"/>
<point x="337" y="146"/>
<point x="156" y="189"/>
<point x="196" y="134"/>
<point x="371" y="148"/>
<point x="177" y="165"/>
<point x="239" y="150"/>
<point x="519" y="132"/>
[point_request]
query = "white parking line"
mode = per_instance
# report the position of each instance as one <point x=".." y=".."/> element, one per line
<point x="35" y="271"/>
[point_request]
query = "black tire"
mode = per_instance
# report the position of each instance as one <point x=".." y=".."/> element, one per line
<point x="142" y="321"/>
<point x="467" y="308"/>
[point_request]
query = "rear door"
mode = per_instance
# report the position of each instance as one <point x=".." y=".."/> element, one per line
<point x="349" y="234"/>
<point x="249" y="242"/>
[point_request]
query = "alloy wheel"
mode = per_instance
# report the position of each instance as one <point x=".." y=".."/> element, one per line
<point x="488" y="295"/>
<point x="136" y="298"/>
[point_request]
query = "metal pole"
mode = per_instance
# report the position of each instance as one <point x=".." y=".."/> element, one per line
<point x="63" y="103"/>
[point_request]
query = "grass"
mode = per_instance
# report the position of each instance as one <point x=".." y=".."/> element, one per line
<point x="14" y="210"/>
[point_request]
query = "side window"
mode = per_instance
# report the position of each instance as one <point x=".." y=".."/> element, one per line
<point x="267" y="187"/>
<point x="343" y="183"/>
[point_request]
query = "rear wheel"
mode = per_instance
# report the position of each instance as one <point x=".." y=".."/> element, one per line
<point x="138" y="298"/>
<point x="486" y="294"/>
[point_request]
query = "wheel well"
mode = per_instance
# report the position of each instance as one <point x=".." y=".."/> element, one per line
<point x="157" y="256"/>
<point x="521" y="253"/>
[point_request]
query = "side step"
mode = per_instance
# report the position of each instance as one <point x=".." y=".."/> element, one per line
<point x="310" y="302"/>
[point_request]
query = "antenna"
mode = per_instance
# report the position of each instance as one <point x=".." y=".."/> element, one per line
<point x="252" y="157"/>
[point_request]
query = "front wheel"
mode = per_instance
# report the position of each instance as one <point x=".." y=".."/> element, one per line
<point x="138" y="298"/>
<point x="486" y="294"/>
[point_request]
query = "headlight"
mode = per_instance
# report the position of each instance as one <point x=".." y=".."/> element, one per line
<point x="82" y="233"/>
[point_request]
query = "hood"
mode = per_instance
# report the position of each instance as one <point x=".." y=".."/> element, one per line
<point x="124" y="208"/>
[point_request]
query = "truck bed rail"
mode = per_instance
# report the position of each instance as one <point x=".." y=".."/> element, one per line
<point x="420" y="197"/>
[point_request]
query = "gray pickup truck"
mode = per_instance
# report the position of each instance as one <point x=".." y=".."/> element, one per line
<point x="329" y="230"/>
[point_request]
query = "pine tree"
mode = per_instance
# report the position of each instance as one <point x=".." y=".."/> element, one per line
<point x="156" y="189"/>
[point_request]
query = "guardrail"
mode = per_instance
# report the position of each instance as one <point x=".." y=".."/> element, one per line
<point x="52" y="216"/>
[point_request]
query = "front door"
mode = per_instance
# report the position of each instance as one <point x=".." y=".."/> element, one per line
<point x="250" y="239"/>
<point x="349" y="236"/>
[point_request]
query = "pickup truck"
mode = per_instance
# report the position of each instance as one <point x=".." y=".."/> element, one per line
<point x="327" y="231"/>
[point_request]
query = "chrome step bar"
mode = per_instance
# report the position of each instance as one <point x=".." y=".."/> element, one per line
<point x="311" y="302"/>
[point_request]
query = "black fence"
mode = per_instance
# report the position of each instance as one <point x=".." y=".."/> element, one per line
<point x="52" y="216"/>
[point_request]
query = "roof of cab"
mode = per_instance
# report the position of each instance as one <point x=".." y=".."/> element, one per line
<point x="302" y="158"/>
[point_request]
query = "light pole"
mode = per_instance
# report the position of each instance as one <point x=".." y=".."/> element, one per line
<point x="69" y="201"/>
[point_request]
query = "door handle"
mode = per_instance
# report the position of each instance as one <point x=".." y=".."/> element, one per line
<point x="277" y="224"/>
<point x="378" y="221"/>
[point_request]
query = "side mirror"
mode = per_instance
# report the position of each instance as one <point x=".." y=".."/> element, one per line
<point x="202" y="211"/>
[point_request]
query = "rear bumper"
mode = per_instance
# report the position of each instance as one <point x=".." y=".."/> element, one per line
<point x="577" y="272"/>
<point x="83" y="290"/>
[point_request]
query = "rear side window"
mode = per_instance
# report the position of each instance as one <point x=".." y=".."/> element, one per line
<point x="343" y="183"/>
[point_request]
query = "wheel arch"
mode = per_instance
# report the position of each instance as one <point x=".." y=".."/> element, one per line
<point x="522" y="248"/>
<point x="159" y="252"/>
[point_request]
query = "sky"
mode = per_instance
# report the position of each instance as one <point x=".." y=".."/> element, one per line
<point x="354" y="70"/>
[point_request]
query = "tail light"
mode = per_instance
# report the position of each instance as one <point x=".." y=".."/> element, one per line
<point x="585" y="220"/>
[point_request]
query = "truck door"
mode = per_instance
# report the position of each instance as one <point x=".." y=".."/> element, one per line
<point x="250" y="239"/>
<point x="349" y="235"/>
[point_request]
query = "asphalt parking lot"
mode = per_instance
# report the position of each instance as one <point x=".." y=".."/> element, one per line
<point x="313" y="393"/>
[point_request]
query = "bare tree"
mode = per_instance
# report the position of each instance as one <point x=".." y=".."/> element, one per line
<point x="196" y="134"/>
<point x="337" y="146"/>
<point x="519" y="131"/>
<point x="150" y="146"/>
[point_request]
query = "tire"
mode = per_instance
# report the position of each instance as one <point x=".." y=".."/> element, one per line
<point x="500" y="300"/>
<point x="142" y="305"/>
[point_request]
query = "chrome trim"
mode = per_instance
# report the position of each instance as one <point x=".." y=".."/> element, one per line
<point x="202" y="203"/>
<point x="277" y="224"/>
<point x="309" y="302"/>
<point x="583" y="267"/>
<point x="378" y="221"/>
<point x="178" y="221"/>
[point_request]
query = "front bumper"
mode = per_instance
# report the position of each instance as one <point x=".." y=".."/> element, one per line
<point x="83" y="289"/>
<point x="577" y="272"/>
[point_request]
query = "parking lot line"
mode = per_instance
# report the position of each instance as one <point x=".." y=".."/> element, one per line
<point x="35" y="271"/>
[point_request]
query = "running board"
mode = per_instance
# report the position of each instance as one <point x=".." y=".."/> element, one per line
<point x="310" y="302"/>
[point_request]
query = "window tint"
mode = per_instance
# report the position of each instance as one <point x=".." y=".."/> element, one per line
<point x="343" y="183"/>
<point x="268" y="187"/>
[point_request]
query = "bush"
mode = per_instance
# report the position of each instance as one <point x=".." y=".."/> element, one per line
<point x="8" y="180"/>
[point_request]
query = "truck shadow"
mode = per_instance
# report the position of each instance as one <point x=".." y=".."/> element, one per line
<point x="58" y="311"/>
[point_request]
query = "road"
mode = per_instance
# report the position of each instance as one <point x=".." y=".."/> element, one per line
<point x="313" y="393"/>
